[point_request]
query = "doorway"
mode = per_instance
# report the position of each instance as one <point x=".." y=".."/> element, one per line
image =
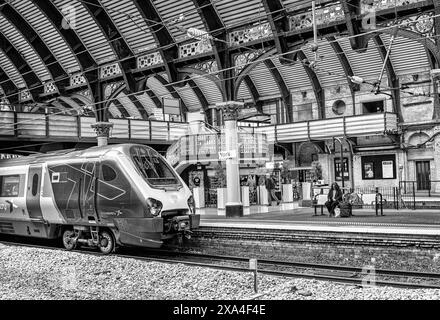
<point x="33" y="192"/>
<point x="423" y="174"/>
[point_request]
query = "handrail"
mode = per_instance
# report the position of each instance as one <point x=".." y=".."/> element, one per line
<point x="46" y="125"/>
<point x="379" y="115"/>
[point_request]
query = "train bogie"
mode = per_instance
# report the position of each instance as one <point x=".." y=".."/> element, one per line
<point x="103" y="197"/>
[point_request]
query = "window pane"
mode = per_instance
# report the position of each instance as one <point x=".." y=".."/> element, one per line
<point x="152" y="166"/>
<point x="10" y="186"/>
<point x="35" y="184"/>
<point x="108" y="174"/>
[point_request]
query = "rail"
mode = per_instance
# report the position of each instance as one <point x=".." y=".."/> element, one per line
<point x="296" y="269"/>
<point x="37" y="125"/>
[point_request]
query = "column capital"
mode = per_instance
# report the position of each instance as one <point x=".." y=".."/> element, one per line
<point x="102" y="129"/>
<point x="230" y="109"/>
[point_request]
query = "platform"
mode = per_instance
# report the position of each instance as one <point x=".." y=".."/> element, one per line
<point x="414" y="222"/>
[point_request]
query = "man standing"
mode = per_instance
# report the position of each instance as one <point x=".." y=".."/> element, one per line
<point x="270" y="186"/>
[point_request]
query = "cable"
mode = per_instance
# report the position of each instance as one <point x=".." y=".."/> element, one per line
<point x="275" y="56"/>
<point x="161" y="22"/>
<point x="128" y="58"/>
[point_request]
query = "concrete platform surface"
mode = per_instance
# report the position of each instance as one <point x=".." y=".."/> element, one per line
<point x="416" y="222"/>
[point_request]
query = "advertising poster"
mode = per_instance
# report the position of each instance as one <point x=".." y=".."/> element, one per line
<point x="387" y="170"/>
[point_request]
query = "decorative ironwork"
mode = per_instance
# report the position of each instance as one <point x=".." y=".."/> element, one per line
<point x="110" y="88"/>
<point x="4" y="104"/>
<point x="230" y="109"/>
<point x="243" y="59"/>
<point x="50" y="87"/>
<point x="422" y="24"/>
<point x="368" y="6"/>
<point x="102" y="129"/>
<point x="148" y="60"/>
<point x="209" y="67"/>
<point x="260" y="31"/>
<point x="194" y="48"/>
<point x="85" y="93"/>
<point x="110" y="70"/>
<point x="25" y="95"/>
<point x="77" y="80"/>
<point x="324" y="15"/>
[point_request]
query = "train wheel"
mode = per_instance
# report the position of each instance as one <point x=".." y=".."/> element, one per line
<point x="68" y="239"/>
<point x="106" y="243"/>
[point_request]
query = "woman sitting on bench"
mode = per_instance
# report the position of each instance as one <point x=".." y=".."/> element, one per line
<point x="334" y="197"/>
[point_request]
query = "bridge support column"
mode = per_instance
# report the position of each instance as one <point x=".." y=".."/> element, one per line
<point x="102" y="130"/>
<point x="234" y="207"/>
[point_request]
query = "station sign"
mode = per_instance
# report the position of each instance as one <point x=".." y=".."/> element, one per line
<point x="225" y="155"/>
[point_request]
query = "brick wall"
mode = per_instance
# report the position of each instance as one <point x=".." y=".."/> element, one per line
<point x="356" y="250"/>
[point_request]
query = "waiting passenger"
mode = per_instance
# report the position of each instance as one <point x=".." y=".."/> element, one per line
<point x="333" y="199"/>
<point x="270" y="186"/>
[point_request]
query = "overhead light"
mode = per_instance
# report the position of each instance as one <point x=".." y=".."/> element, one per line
<point x="357" y="80"/>
<point x="198" y="34"/>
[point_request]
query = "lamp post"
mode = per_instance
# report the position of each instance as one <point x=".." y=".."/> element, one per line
<point x="234" y="207"/>
<point x="342" y="161"/>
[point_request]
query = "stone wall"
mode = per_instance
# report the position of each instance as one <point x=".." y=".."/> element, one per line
<point x="355" y="249"/>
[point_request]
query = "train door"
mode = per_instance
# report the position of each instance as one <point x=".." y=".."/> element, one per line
<point x="87" y="194"/>
<point x="33" y="192"/>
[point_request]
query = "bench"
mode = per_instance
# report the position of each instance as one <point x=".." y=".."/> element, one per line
<point x="320" y="200"/>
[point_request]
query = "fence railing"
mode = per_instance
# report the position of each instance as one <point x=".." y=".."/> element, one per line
<point x="24" y="124"/>
<point x="427" y="188"/>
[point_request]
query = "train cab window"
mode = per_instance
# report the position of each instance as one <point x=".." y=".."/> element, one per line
<point x="35" y="184"/>
<point x="108" y="173"/>
<point x="9" y="186"/>
<point x="153" y="167"/>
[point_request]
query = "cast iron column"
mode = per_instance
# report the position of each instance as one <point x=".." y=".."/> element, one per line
<point x="102" y="130"/>
<point x="234" y="207"/>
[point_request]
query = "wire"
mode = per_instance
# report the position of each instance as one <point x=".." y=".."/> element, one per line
<point x="273" y="56"/>
<point x="189" y="10"/>
<point x="130" y="57"/>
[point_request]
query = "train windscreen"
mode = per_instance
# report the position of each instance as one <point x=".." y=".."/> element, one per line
<point x="153" y="167"/>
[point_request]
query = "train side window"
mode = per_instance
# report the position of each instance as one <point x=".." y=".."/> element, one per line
<point x="9" y="186"/>
<point x="35" y="184"/>
<point x="108" y="173"/>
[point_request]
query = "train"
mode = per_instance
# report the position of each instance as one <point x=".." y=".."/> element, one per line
<point x="102" y="197"/>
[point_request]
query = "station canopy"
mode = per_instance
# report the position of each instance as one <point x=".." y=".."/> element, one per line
<point x="136" y="57"/>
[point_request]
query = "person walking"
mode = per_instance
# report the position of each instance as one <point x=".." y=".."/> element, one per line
<point x="333" y="198"/>
<point x="270" y="186"/>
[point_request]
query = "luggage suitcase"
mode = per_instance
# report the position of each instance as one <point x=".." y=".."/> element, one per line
<point x="345" y="209"/>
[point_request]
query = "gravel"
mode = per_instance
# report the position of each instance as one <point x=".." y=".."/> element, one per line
<point x="30" y="273"/>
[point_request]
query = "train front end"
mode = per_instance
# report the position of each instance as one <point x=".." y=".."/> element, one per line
<point x="168" y="205"/>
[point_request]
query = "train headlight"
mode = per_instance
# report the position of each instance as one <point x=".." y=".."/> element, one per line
<point x="155" y="206"/>
<point x="192" y="204"/>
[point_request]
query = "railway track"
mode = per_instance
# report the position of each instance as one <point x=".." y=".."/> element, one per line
<point x="337" y="273"/>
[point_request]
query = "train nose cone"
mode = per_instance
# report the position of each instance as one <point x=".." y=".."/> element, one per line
<point x="173" y="198"/>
